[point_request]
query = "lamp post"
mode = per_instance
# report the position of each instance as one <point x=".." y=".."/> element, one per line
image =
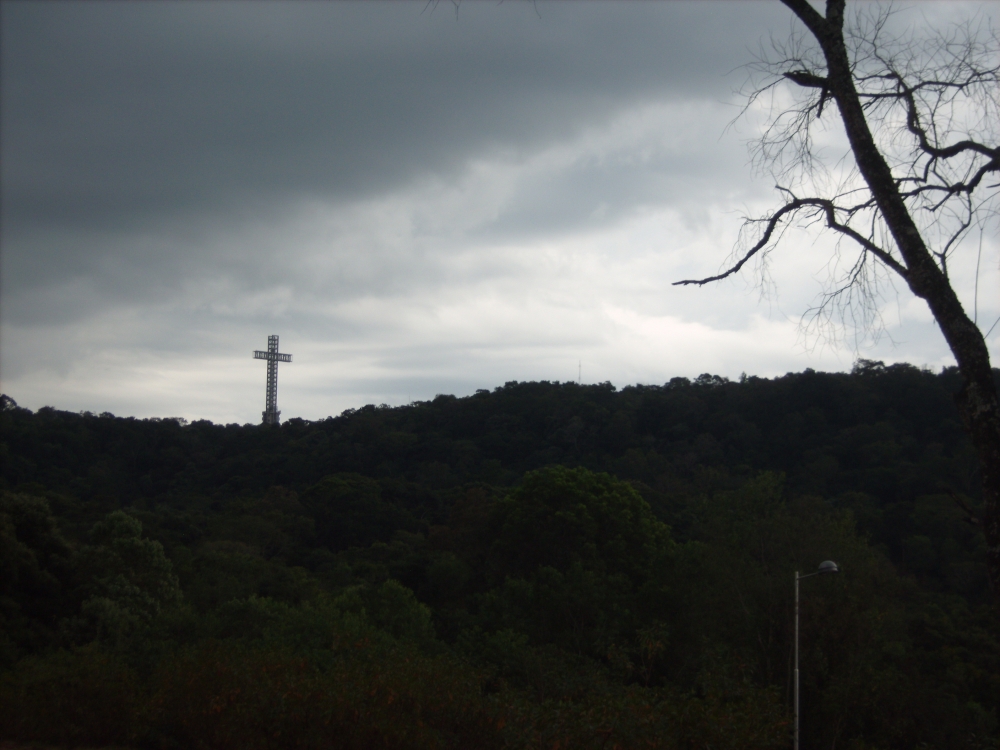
<point x="828" y="566"/>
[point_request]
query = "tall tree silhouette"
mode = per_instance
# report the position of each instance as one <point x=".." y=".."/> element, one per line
<point x="921" y="118"/>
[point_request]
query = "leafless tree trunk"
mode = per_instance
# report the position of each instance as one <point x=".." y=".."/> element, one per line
<point x="923" y="124"/>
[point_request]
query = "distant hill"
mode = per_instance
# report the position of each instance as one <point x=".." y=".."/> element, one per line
<point x="883" y="441"/>
<point x="569" y="551"/>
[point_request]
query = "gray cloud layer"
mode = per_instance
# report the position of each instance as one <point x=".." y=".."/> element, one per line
<point x="117" y="113"/>
<point x="119" y="119"/>
<point x="392" y="184"/>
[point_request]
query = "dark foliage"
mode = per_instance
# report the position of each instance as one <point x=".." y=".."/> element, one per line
<point x="542" y="565"/>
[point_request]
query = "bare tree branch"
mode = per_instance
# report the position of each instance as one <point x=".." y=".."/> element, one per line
<point x="829" y="210"/>
<point x="922" y="121"/>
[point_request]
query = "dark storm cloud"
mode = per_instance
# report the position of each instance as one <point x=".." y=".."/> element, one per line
<point x="115" y="114"/>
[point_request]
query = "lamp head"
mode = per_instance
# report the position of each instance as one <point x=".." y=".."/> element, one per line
<point x="828" y="566"/>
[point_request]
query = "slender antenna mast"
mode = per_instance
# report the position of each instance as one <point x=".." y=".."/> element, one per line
<point x="579" y="371"/>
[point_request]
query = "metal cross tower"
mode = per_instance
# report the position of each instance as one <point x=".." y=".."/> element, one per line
<point x="272" y="356"/>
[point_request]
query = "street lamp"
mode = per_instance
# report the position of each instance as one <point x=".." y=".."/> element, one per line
<point x="828" y="566"/>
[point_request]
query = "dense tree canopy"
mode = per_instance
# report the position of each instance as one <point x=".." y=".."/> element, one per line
<point x="543" y="563"/>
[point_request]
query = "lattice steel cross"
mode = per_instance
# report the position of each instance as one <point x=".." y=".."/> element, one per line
<point x="272" y="356"/>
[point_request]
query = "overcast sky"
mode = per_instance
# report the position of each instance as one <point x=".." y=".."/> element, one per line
<point x="418" y="199"/>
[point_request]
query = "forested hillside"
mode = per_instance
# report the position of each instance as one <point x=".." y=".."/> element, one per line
<point x="541" y="565"/>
